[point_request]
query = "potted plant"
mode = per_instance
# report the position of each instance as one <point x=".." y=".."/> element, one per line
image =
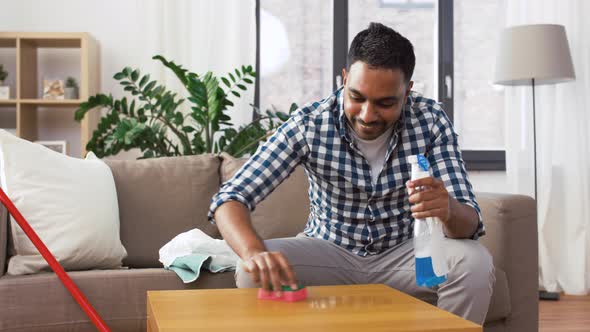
<point x="152" y="118"/>
<point x="4" y="90"/>
<point x="71" y="88"/>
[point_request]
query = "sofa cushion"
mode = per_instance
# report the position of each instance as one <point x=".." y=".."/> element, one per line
<point x="290" y="201"/>
<point x="41" y="303"/>
<point x="500" y="303"/>
<point x="70" y="203"/>
<point x="161" y="198"/>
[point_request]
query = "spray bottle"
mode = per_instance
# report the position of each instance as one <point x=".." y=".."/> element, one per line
<point x="431" y="265"/>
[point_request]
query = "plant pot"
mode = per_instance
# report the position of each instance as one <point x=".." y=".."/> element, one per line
<point x="71" y="93"/>
<point x="4" y="92"/>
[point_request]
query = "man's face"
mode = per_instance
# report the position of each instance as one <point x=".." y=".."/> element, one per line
<point x="373" y="98"/>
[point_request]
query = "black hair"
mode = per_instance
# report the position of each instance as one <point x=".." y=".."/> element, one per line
<point x="382" y="47"/>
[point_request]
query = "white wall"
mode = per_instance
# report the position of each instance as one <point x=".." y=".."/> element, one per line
<point x="113" y="23"/>
<point x="115" y="26"/>
<point x="489" y="181"/>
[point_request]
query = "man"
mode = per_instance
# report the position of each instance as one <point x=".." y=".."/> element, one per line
<point x="354" y="146"/>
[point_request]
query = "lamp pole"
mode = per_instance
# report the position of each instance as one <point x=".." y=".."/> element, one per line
<point x="543" y="295"/>
<point x="535" y="144"/>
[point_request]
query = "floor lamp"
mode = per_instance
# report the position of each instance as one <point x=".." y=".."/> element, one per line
<point x="534" y="55"/>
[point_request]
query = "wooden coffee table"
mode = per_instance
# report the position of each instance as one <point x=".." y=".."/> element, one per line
<point x="327" y="308"/>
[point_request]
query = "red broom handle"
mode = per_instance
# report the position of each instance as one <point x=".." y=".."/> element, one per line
<point x="55" y="266"/>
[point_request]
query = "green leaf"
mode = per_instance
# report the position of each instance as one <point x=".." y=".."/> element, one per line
<point x="235" y="93"/>
<point x="178" y="70"/>
<point x="144" y="80"/>
<point x="119" y="76"/>
<point x="132" y="109"/>
<point x="241" y="86"/>
<point x="188" y="129"/>
<point x="178" y="118"/>
<point x="200" y="118"/>
<point x="166" y="102"/>
<point x="232" y="77"/>
<point x="135" y="75"/>
<point x="226" y="82"/>
<point x="124" y="106"/>
<point x="127" y="71"/>
<point x="238" y="73"/>
<point x="148" y="87"/>
<point x="158" y="90"/>
<point x="193" y="100"/>
<point x="247" y="80"/>
<point x="93" y="101"/>
<point x="282" y="116"/>
<point x="117" y="106"/>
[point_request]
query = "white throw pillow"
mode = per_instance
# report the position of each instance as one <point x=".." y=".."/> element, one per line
<point x="70" y="203"/>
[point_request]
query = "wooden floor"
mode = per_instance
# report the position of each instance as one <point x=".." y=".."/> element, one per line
<point x="570" y="313"/>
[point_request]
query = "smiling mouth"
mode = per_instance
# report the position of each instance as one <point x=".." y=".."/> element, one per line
<point x="367" y="126"/>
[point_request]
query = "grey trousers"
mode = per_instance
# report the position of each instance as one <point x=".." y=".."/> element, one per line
<point x="316" y="262"/>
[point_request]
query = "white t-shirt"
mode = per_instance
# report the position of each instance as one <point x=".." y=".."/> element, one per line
<point x="374" y="151"/>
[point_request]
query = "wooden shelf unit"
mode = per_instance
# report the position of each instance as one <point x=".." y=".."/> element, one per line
<point x="28" y="100"/>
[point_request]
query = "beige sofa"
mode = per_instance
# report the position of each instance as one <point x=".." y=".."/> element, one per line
<point x="160" y="198"/>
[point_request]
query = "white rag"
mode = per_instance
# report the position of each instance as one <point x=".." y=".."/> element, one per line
<point x="195" y="247"/>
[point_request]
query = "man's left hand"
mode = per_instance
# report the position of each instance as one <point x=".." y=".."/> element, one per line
<point x="429" y="198"/>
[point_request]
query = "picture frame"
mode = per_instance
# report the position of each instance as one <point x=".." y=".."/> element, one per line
<point x="4" y="92"/>
<point x="53" y="89"/>
<point x="57" y="146"/>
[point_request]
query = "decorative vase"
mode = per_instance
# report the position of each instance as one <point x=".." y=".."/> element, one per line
<point x="71" y="93"/>
<point x="4" y="91"/>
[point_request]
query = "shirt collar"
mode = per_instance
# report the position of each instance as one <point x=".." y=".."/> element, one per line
<point x="343" y="126"/>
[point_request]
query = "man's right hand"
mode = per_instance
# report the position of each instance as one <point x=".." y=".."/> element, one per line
<point x="270" y="269"/>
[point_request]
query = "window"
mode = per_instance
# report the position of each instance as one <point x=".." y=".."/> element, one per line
<point x="478" y="105"/>
<point x="303" y="47"/>
<point x="295" y="52"/>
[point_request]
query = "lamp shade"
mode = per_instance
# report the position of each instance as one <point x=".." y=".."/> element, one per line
<point x="538" y="51"/>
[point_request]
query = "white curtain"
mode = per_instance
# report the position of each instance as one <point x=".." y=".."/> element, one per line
<point x="200" y="35"/>
<point x="563" y="149"/>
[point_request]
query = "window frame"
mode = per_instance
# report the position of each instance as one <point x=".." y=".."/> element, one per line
<point x="476" y="160"/>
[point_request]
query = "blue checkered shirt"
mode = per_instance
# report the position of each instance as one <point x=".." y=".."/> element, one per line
<point x="346" y="208"/>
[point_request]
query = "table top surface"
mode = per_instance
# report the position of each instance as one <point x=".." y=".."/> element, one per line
<point x="327" y="308"/>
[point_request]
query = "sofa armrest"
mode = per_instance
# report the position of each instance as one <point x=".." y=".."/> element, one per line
<point x="4" y="224"/>
<point x="511" y="237"/>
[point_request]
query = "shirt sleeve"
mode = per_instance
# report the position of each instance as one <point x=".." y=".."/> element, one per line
<point x="447" y="164"/>
<point x="270" y="165"/>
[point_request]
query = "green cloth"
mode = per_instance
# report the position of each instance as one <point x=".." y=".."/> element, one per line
<point x="189" y="267"/>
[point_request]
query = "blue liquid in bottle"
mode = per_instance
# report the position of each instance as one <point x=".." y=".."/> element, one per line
<point x="425" y="273"/>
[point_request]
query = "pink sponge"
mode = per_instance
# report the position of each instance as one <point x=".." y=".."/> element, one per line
<point x="287" y="294"/>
